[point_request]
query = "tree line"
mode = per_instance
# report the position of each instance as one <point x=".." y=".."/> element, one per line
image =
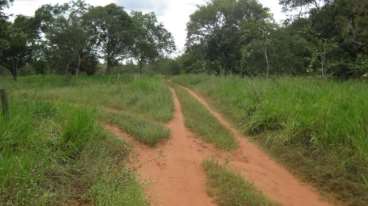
<point x="72" y="38"/>
<point x="324" y="37"/>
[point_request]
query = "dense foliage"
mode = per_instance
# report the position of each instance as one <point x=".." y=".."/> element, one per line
<point x="73" y="37"/>
<point x="241" y="37"/>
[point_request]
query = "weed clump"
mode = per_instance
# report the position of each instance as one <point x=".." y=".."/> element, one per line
<point x="230" y="189"/>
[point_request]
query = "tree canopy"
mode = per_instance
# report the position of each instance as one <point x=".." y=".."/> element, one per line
<point x="74" y="37"/>
<point x="152" y="40"/>
<point x="326" y="38"/>
<point x="240" y="37"/>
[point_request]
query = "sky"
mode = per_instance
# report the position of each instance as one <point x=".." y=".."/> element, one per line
<point x="174" y="14"/>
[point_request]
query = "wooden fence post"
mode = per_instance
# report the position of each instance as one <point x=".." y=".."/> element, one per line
<point x="4" y="103"/>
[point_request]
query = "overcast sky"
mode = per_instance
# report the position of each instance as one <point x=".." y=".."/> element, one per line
<point x="174" y="14"/>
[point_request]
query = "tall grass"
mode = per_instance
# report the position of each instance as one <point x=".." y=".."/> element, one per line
<point x="318" y="127"/>
<point x="145" y="95"/>
<point x="230" y="189"/>
<point x="200" y="121"/>
<point x="146" y="132"/>
<point x="54" y="152"/>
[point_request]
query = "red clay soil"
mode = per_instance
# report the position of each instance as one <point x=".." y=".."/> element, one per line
<point x="173" y="171"/>
<point x="266" y="174"/>
<point x="174" y="175"/>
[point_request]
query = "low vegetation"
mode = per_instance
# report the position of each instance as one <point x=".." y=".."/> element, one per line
<point x="148" y="96"/>
<point x="230" y="189"/>
<point x="52" y="154"/>
<point x="317" y="127"/>
<point x="53" y="150"/>
<point x="200" y="121"/>
<point x="144" y="131"/>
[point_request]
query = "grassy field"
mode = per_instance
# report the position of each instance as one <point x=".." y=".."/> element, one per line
<point x="146" y="132"/>
<point x="54" y="150"/>
<point x="148" y="96"/>
<point x="56" y="153"/>
<point x="140" y="105"/>
<point x="230" y="189"/>
<point x="317" y="127"/>
<point x="201" y="122"/>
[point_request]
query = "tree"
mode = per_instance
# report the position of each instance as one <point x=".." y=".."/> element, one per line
<point x="340" y="36"/>
<point x="257" y="41"/>
<point x="67" y="38"/>
<point x="111" y="27"/>
<point x="151" y="39"/>
<point x="20" y="36"/>
<point x="4" y="4"/>
<point x="4" y="44"/>
<point x="290" y="50"/>
<point x="217" y="28"/>
<point x="294" y="4"/>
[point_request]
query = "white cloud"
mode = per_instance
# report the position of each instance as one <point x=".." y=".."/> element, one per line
<point x="157" y="6"/>
<point x="174" y="14"/>
<point x="28" y="7"/>
<point x="176" y="18"/>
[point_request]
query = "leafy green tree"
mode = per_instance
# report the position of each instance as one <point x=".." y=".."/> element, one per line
<point x="4" y="44"/>
<point x="217" y="28"/>
<point x="290" y="51"/>
<point x="112" y="33"/>
<point x="294" y="4"/>
<point x="340" y="31"/>
<point x="151" y="40"/>
<point x="66" y="35"/>
<point x="336" y="32"/>
<point x="255" y="50"/>
<point x="19" y="38"/>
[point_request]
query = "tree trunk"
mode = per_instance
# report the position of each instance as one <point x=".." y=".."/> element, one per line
<point x="140" y="67"/>
<point x="78" y="65"/>
<point x="14" y="71"/>
<point x="322" y="66"/>
<point x="66" y="71"/>
<point x="323" y="60"/>
<point x="243" y="72"/>
<point x="4" y="103"/>
<point x="109" y="66"/>
<point x="267" y="62"/>
<point x="266" y="54"/>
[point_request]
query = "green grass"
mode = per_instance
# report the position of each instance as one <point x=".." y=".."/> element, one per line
<point x="120" y="188"/>
<point x="200" y="121"/>
<point x="55" y="153"/>
<point x="145" y="95"/>
<point x="147" y="132"/>
<point x="317" y="127"/>
<point x="230" y="189"/>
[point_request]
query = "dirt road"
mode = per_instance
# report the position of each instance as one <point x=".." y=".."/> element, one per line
<point x="266" y="174"/>
<point x="174" y="175"/>
<point x="173" y="171"/>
